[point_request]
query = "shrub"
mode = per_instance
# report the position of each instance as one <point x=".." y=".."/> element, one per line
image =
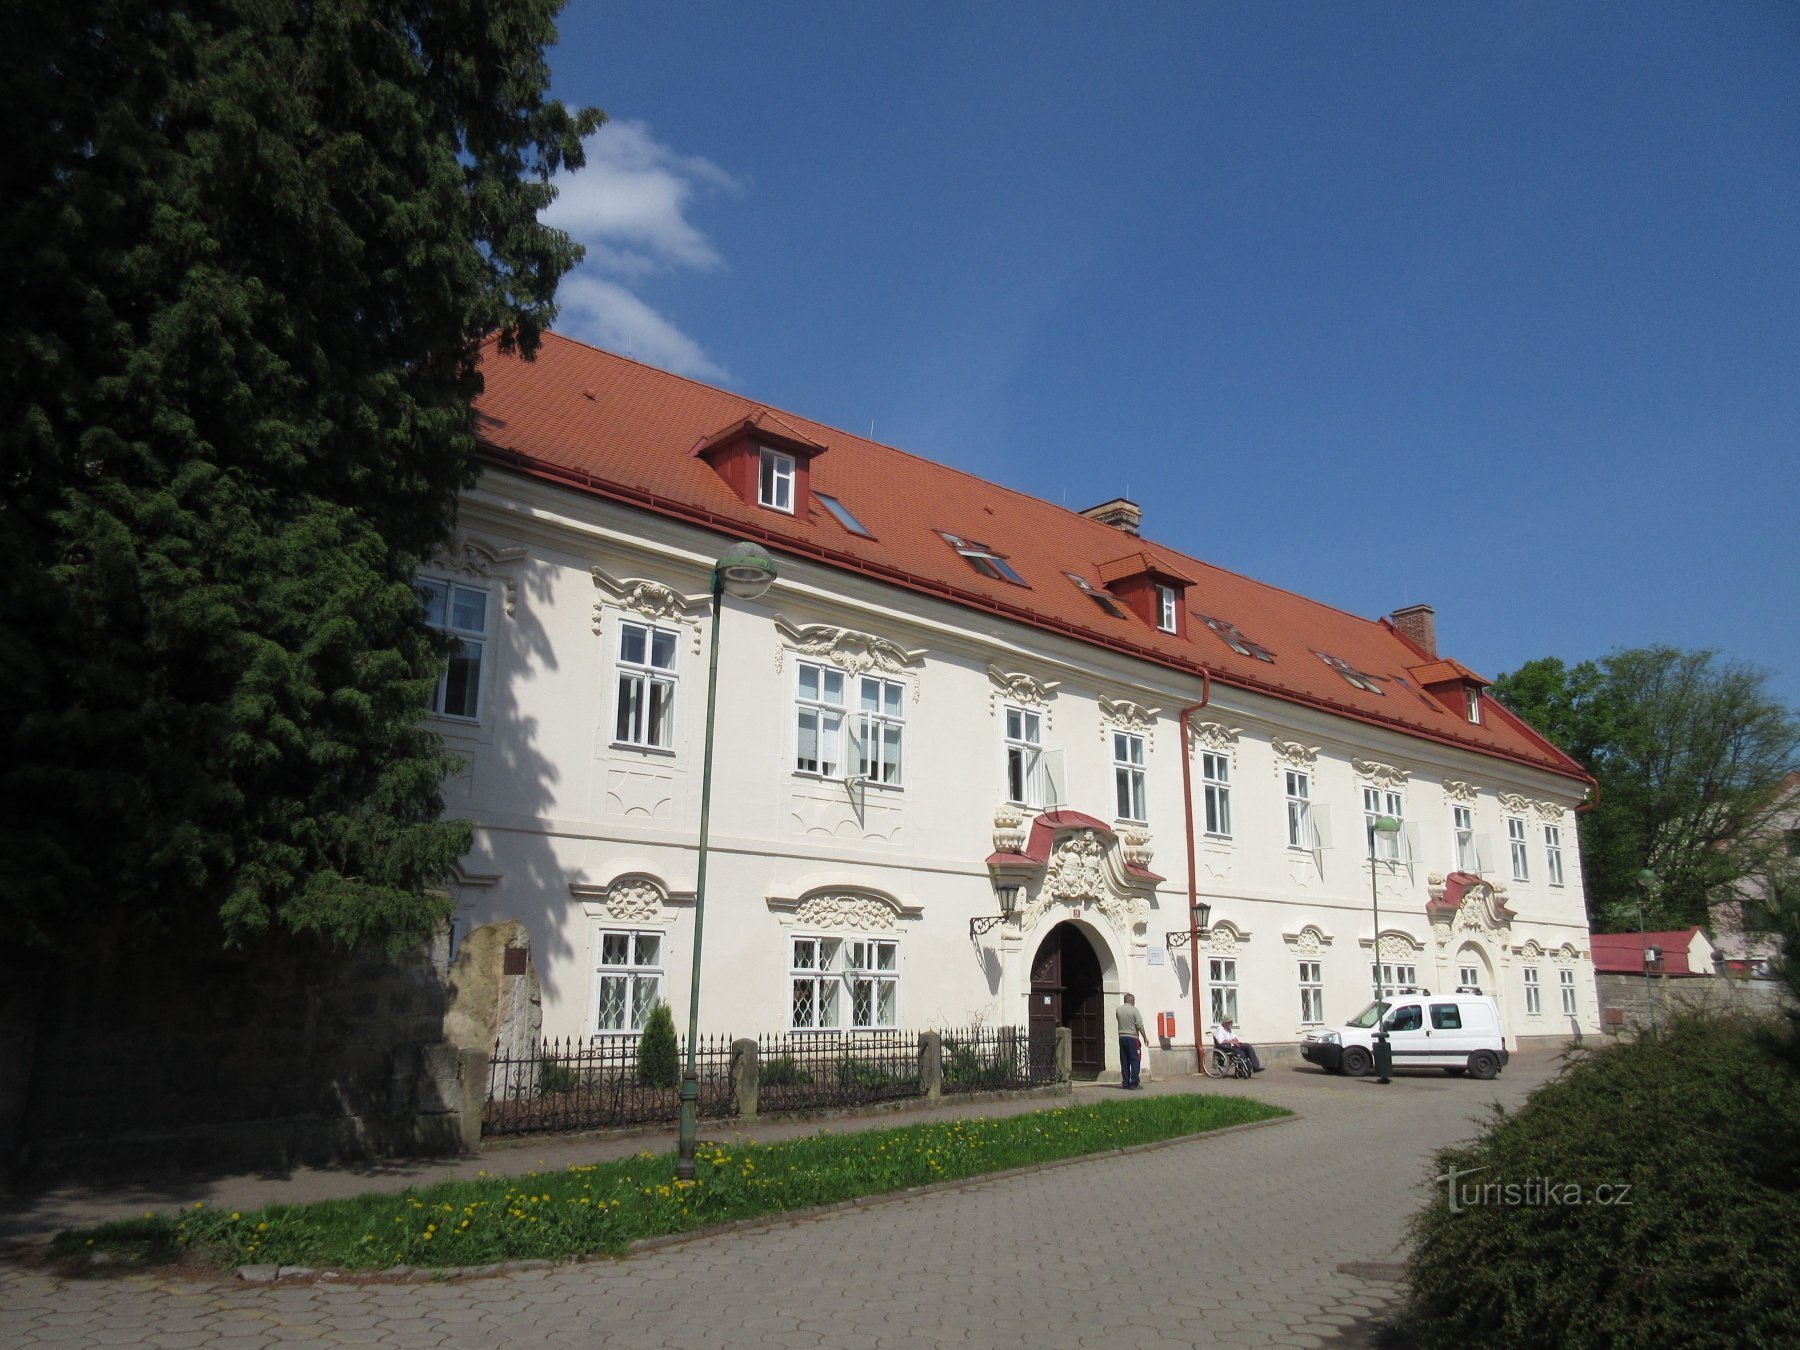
<point x="963" y="1067"/>
<point x="782" y="1072"/>
<point x="1700" y="1122"/>
<point x="658" y="1064"/>
<point x="853" y="1072"/>
<point x="555" y="1077"/>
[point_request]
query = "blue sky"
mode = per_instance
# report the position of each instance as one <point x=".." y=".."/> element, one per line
<point x="1494" y="307"/>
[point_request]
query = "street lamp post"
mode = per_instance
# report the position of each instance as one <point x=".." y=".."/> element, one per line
<point x="745" y="571"/>
<point x="1384" y="1052"/>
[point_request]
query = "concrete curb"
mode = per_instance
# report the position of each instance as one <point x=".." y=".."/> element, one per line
<point x="268" y="1274"/>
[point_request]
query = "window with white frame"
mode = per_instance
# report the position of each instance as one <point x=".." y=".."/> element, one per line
<point x="819" y="721"/>
<point x="1024" y="757"/>
<point x="1128" y="774"/>
<point x="1515" y="838"/>
<point x="1222" y="978"/>
<point x="1565" y="979"/>
<point x="646" y="710"/>
<point x="460" y="613"/>
<point x="1379" y="802"/>
<point x="628" y="980"/>
<point x="1553" y="854"/>
<point x="880" y="730"/>
<point x="1165" y="608"/>
<point x="1534" y="994"/>
<point x="1468" y="977"/>
<point x="776" y="488"/>
<point x="1312" y="993"/>
<point x="1299" y="809"/>
<point x="1215" y="773"/>
<point x="838" y="982"/>
<point x="1472" y="704"/>
<point x="1395" y="977"/>
<point x="1462" y="820"/>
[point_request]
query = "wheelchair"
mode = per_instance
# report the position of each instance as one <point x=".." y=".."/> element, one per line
<point x="1222" y="1061"/>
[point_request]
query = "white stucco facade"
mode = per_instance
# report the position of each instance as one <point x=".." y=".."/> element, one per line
<point x="583" y="837"/>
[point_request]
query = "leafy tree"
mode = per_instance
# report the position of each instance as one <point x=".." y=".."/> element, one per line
<point x="1689" y="751"/>
<point x="250" y="251"/>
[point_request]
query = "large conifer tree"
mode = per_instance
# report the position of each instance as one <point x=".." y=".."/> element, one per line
<point x="249" y="250"/>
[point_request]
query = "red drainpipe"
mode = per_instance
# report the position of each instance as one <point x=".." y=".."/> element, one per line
<point x="1187" y="820"/>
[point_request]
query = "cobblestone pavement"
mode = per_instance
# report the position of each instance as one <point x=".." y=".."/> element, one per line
<point x="1233" y="1240"/>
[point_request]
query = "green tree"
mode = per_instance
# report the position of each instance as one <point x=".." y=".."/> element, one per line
<point x="1689" y="751"/>
<point x="250" y="252"/>
<point x="658" y="1061"/>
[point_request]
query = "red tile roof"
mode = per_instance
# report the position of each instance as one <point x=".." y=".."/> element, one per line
<point x="601" y="423"/>
<point x="1442" y="671"/>
<point x="1623" y="953"/>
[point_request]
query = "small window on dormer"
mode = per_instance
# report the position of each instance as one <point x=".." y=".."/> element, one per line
<point x="1092" y="592"/>
<point x="777" y="481"/>
<point x="983" y="559"/>
<point x="1355" y="677"/>
<point x="1232" y="638"/>
<point x="845" y="516"/>
<point x="1165" y="608"/>
<point x="1472" y="701"/>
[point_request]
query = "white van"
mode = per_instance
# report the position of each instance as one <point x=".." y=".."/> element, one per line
<point x="1458" y="1033"/>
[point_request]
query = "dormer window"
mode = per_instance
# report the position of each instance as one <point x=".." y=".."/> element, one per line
<point x="983" y="559"/>
<point x="1165" y="608"/>
<point x="1352" y="675"/>
<point x="1234" y="639"/>
<point x="1472" y="702"/>
<point x="777" y="481"/>
<point x="1098" y="596"/>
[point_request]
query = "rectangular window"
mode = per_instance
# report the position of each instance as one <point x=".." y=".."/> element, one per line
<point x="1128" y="775"/>
<point x="1534" y="996"/>
<point x="814" y="984"/>
<point x="629" y="979"/>
<point x="1515" y="838"/>
<point x="1472" y="701"/>
<point x="1462" y="819"/>
<point x="1094" y="593"/>
<point x="1565" y="979"/>
<point x="777" y="485"/>
<point x="1468" y="977"/>
<point x="1553" y="854"/>
<point x="1222" y="978"/>
<point x="1394" y="978"/>
<point x="459" y="612"/>
<point x="1233" y="638"/>
<point x="983" y="559"/>
<point x="1165" y="608"/>
<point x="1312" y="994"/>
<point x="880" y="729"/>
<point x="845" y="516"/>
<point x="819" y="737"/>
<point x="872" y="970"/>
<point x="1215" y="773"/>
<point x="1446" y="1017"/>
<point x="646" y="709"/>
<point x="1024" y="757"/>
<point x="1300" y="832"/>
<point x="1379" y="802"/>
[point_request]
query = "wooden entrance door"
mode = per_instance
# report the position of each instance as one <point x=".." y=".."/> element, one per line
<point x="1065" y="992"/>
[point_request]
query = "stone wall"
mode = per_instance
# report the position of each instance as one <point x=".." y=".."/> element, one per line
<point x="1627" y="1002"/>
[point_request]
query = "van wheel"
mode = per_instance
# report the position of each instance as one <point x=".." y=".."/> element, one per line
<point x="1456" y="1072"/>
<point x="1483" y="1065"/>
<point x="1357" y="1062"/>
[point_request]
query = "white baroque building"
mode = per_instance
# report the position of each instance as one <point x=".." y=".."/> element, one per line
<point x="953" y="688"/>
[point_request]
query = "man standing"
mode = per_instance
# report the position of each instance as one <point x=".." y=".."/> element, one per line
<point x="1131" y="1039"/>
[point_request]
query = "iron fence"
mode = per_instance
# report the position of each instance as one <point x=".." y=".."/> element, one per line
<point x="804" y="1071"/>
<point x="596" y="1083"/>
<point x="994" y="1058"/>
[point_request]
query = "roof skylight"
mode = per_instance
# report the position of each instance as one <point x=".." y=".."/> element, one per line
<point x="983" y="559"/>
<point x="1099" y="597"/>
<point x="845" y="516"/>
<point x="1229" y="634"/>
<point x="1355" y="677"/>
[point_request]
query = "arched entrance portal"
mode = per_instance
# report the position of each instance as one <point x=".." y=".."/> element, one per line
<point x="1066" y="992"/>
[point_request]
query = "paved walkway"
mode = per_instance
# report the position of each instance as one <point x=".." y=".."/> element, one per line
<point x="1233" y="1240"/>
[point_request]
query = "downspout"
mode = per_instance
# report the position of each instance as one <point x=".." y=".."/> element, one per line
<point x="1187" y="821"/>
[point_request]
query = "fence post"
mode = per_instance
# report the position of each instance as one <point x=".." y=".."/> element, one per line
<point x="1065" y="1056"/>
<point x="931" y="1065"/>
<point x="472" y="1078"/>
<point x="746" y="1075"/>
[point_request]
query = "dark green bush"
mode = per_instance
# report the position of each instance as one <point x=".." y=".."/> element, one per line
<point x="963" y="1068"/>
<point x="782" y="1071"/>
<point x="554" y="1077"/>
<point x="853" y="1072"/>
<point x="658" y="1064"/>
<point x="1703" y="1124"/>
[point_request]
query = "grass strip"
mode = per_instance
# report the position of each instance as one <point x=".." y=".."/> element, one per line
<point x="604" y="1207"/>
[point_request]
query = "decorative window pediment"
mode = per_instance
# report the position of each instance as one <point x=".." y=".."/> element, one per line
<point x="1017" y="687"/>
<point x="472" y="557"/>
<point x="1461" y="792"/>
<point x="845" y="648"/>
<point x="1293" y="755"/>
<point x="1213" y="736"/>
<point x="1309" y="941"/>
<point x="1125" y="715"/>
<point x="848" y="908"/>
<point x="1381" y="775"/>
<point x="648" y="599"/>
<point x="636" y="898"/>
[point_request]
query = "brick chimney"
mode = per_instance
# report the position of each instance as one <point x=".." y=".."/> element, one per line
<point x="1121" y="513"/>
<point x="1419" y="623"/>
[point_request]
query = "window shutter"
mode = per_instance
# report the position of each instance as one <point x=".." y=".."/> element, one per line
<point x="856" y="764"/>
<point x="1409" y="842"/>
<point x="1484" y="854"/>
<point x="1055" y="779"/>
<point x="1318" y="820"/>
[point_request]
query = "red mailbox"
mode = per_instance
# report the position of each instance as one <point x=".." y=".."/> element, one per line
<point x="1165" y="1026"/>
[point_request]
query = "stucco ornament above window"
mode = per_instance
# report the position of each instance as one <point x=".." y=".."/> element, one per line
<point x="634" y="898"/>
<point x="844" y="648"/>
<point x="476" y="558"/>
<point x="1399" y="946"/>
<point x="1213" y="736"/>
<point x="1548" y="810"/>
<point x="1514" y="804"/>
<point x="1309" y="941"/>
<point x="843" y="908"/>
<point x="1125" y="715"/>
<point x="1225" y="939"/>
<point x="648" y="599"/>
<point x="1016" y="687"/>
<point x="1381" y="775"/>
<point x="1461" y="792"/>
<point x="1293" y="755"/>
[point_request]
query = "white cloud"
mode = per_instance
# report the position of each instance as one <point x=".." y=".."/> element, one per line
<point x="629" y="205"/>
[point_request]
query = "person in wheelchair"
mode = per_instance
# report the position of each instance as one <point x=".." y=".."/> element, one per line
<point x="1228" y="1039"/>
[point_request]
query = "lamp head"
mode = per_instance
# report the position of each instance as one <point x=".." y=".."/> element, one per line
<point x="745" y="570"/>
<point x="1008" y="892"/>
<point x="1202" y="913"/>
<point x="1647" y="879"/>
<point x="1386" y="825"/>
